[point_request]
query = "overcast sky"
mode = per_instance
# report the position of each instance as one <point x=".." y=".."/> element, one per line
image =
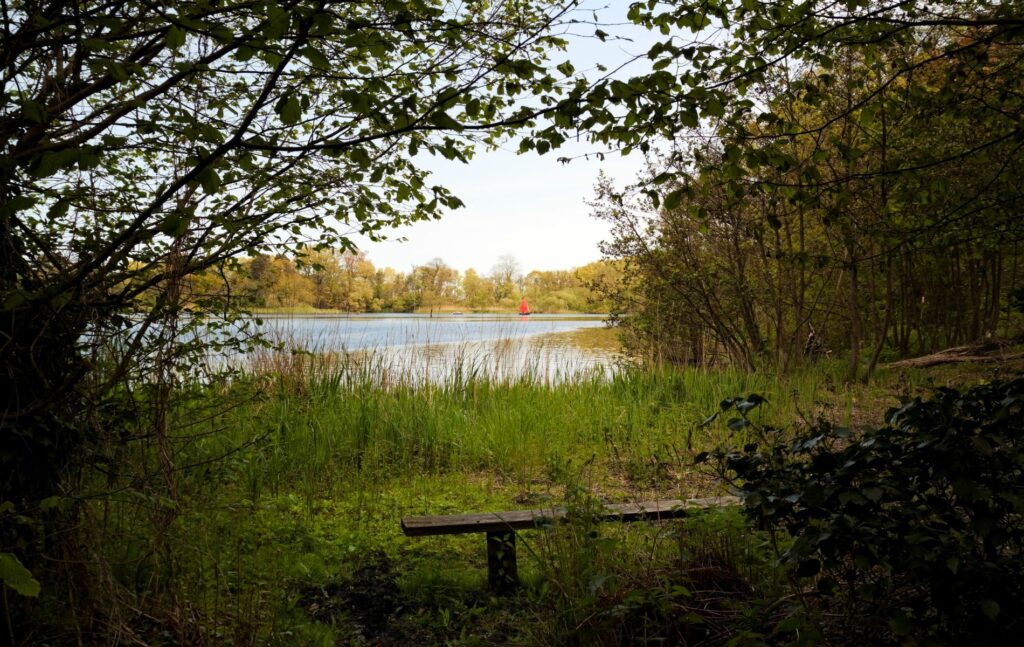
<point x="529" y="206"/>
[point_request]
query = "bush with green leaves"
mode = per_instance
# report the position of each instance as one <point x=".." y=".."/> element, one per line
<point x="912" y="532"/>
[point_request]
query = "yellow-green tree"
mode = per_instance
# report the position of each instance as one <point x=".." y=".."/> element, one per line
<point x="477" y="291"/>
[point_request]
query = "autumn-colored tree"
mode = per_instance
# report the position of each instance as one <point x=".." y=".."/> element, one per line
<point x="477" y="291"/>
<point x="435" y="284"/>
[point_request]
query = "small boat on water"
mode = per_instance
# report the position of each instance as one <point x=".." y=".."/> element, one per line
<point x="524" y="308"/>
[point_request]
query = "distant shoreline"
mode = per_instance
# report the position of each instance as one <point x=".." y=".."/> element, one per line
<point x="419" y="311"/>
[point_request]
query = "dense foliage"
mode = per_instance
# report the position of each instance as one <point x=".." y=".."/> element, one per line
<point x="914" y="530"/>
<point x="847" y="178"/>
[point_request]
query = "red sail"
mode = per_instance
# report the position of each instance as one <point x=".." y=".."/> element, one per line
<point x="524" y="308"/>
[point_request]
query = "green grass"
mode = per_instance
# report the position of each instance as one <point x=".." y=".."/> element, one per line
<point x="338" y="415"/>
<point x="300" y="474"/>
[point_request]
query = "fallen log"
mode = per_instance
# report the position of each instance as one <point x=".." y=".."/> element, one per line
<point x="989" y="351"/>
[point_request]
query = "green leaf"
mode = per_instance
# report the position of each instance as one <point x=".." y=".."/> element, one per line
<point x="316" y="57"/>
<point x="689" y="118"/>
<point x="174" y="225"/>
<point x="953" y="564"/>
<point x="360" y="157"/>
<point x="245" y="161"/>
<point x="60" y="300"/>
<point x="175" y="37"/>
<point x="289" y="109"/>
<point x="118" y="70"/>
<point x="53" y="503"/>
<point x="94" y="44"/>
<point x="442" y="119"/>
<point x="990" y="608"/>
<point x="277" y="22"/>
<point x="16" y="576"/>
<point x="209" y="180"/>
<point x="14" y="299"/>
<point x="673" y="199"/>
<point x="222" y="34"/>
<point x="714" y="108"/>
<point x="873" y="493"/>
<point x="868" y="116"/>
<point x="244" y="53"/>
<point x="17" y="204"/>
<point x="33" y="111"/>
<point x="900" y="623"/>
<point x="52" y="162"/>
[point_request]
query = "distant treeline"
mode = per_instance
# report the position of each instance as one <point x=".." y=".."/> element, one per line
<point x="348" y="281"/>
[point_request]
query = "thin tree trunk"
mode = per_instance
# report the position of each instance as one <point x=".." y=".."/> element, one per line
<point x="883" y="333"/>
<point x="855" y="332"/>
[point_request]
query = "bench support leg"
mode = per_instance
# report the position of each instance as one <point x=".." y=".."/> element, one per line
<point x="501" y="561"/>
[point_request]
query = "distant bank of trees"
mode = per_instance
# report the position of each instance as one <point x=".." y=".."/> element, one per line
<point x="350" y="282"/>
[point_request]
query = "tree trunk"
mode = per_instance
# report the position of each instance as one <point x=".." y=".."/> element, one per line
<point x="855" y="332"/>
<point x="883" y="333"/>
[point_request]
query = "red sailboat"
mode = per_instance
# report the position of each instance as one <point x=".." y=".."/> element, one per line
<point x="524" y="307"/>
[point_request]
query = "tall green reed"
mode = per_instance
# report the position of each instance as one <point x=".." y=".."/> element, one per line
<point x="333" y="420"/>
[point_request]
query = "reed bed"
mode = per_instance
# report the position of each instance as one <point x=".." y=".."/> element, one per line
<point x="456" y="409"/>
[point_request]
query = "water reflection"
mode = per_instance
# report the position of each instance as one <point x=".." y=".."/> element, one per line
<point x="337" y="332"/>
<point x="402" y="349"/>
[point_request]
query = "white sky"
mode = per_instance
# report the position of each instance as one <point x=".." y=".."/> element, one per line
<point x="529" y="206"/>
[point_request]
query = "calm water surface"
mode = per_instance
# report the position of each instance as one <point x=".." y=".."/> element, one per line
<point x="418" y="347"/>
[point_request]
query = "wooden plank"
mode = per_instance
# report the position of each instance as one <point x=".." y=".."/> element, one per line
<point x="457" y="524"/>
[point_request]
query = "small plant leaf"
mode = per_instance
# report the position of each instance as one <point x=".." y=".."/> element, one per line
<point x="16" y="576"/>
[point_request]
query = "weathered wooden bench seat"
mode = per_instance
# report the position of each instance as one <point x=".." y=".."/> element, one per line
<point x="501" y="527"/>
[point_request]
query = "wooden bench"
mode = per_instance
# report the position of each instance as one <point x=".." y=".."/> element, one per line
<point x="501" y="527"/>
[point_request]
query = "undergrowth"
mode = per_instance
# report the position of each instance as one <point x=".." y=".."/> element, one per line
<point x="291" y="482"/>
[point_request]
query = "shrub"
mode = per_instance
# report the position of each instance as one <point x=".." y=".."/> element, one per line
<point x="910" y="532"/>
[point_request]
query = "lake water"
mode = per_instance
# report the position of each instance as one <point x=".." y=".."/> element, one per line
<point x="414" y="347"/>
